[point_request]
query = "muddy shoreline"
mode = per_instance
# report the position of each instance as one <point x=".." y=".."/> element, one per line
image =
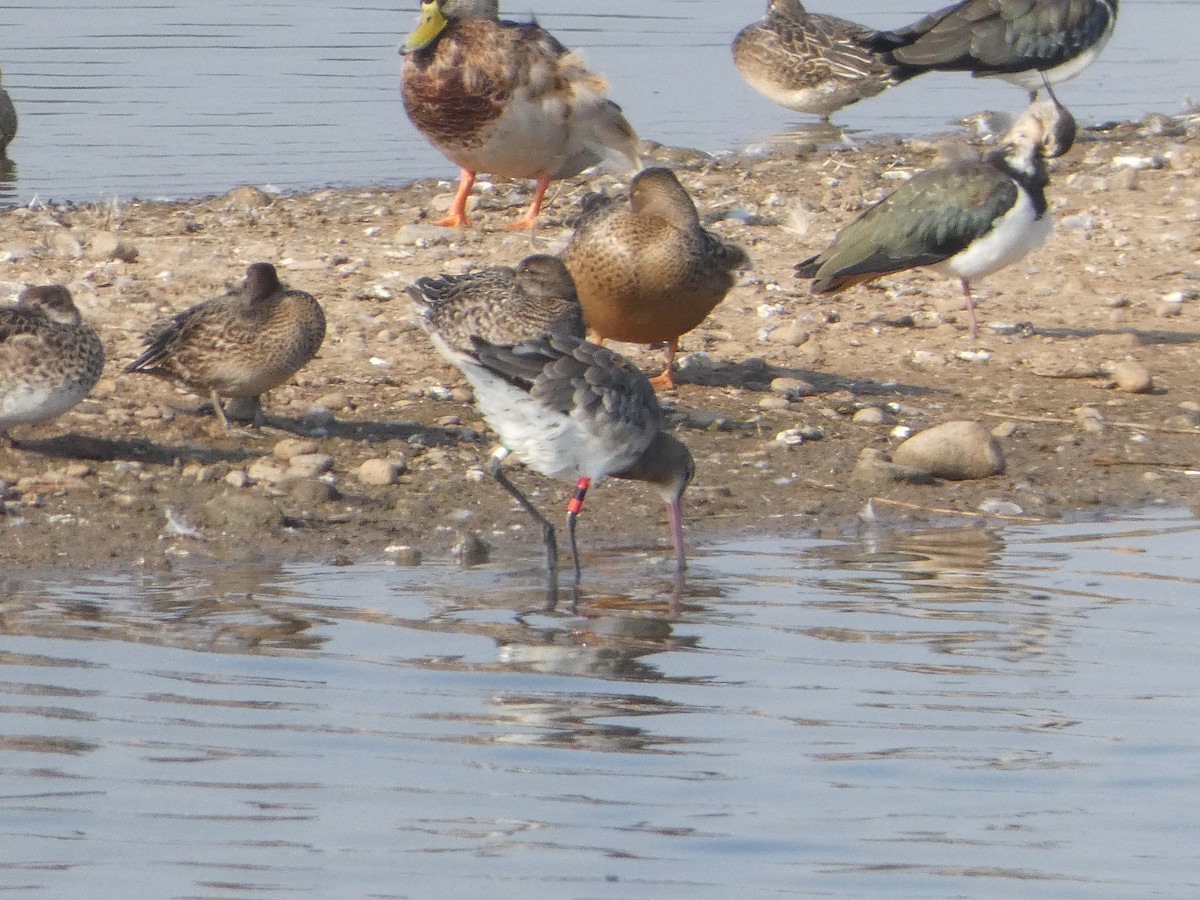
<point x="781" y="394"/>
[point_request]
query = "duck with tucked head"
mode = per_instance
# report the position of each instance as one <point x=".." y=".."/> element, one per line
<point x="646" y="270"/>
<point x="49" y="359"/>
<point x="500" y="304"/>
<point x="507" y="98"/>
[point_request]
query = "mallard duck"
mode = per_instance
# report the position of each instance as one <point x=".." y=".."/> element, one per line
<point x="646" y="271"/>
<point x="809" y="62"/>
<point x="502" y="305"/>
<point x="968" y="219"/>
<point x="49" y="359"/>
<point x="1031" y="43"/>
<point x="8" y="120"/>
<point x="506" y="98"/>
<point x="577" y="412"/>
<point x="241" y="344"/>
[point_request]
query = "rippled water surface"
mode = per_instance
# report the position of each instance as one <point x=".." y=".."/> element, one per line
<point x="154" y="98"/>
<point x="964" y="712"/>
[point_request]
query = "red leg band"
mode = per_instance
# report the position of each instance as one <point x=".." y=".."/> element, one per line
<point x="575" y="504"/>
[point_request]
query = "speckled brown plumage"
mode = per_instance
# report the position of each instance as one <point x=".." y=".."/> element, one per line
<point x="647" y="271"/>
<point x="241" y="344"/>
<point x="502" y="305"/>
<point x="809" y="62"/>
<point x="49" y="359"/>
<point x="506" y="98"/>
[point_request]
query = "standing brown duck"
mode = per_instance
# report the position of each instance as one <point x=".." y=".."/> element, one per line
<point x="647" y="271"/>
<point x="506" y="98"/>
<point x="241" y="344"/>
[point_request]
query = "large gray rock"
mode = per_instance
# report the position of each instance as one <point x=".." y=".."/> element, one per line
<point x="957" y="451"/>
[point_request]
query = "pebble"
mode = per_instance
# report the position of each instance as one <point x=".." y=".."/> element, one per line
<point x="265" y="469"/>
<point x="792" y="388"/>
<point x="1132" y="377"/>
<point x="791" y="335"/>
<point x="773" y="403"/>
<point x="957" y="451"/>
<point x="1000" y="508"/>
<point x="873" y="415"/>
<point x="926" y="358"/>
<point x="382" y="471"/>
<point x="309" y="492"/>
<point x="706" y="418"/>
<point x="695" y="365"/>
<point x="791" y="437"/>
<point x="289" y="447"/>
<point x="335" y="402"/>
<point x="309" y="465"/>
<point x="248" y="512"/>
<point x="873" y="471"/>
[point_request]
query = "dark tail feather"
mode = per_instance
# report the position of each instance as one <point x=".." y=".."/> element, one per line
<point x="808" y="268"/>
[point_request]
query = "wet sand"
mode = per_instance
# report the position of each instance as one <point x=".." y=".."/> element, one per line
<point x="771" y="402"/>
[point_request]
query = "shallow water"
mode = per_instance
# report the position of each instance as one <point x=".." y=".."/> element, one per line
<point x="957" y="712"/>
<point x="161" y="98"/>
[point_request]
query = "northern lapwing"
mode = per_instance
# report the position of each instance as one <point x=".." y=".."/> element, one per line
<point x="1031" y="43"/>
<point x="967" y="219"/>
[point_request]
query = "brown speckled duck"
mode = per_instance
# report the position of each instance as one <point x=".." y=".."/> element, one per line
<point x="241" y="344"/>
<point x="809" y="62"/>
<point x="506" y="98"/>
<point x="502" y="305"/>
<point x="49" y="359"/>
<point x="646" y="270"/>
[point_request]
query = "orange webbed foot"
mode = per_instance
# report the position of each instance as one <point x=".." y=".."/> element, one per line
<point x="664" y="380"/>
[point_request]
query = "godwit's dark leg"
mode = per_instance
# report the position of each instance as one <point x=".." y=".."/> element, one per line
<point x="574" y="507"/>
<point x="548" y="536"/>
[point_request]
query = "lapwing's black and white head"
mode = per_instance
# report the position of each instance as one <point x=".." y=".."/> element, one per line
<point x="1045" y="130"/>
